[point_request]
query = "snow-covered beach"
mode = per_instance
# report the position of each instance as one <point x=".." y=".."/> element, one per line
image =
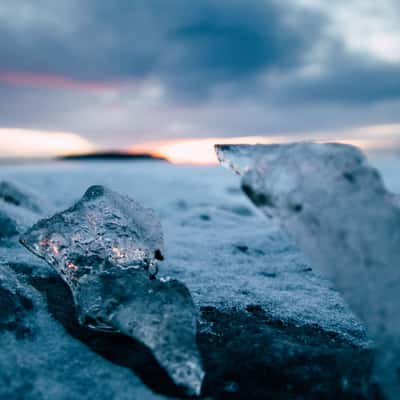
<point x="247" y="278"/>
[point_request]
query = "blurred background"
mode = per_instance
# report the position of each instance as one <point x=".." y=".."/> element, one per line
<point x="172" y="78"/>
<point x="149" y="80"/>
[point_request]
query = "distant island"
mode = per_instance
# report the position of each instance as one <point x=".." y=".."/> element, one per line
<point x="111" y="156"/>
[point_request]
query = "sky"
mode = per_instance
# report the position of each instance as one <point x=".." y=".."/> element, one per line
<point x="81" y="75"/>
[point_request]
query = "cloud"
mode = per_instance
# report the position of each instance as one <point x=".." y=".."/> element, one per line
<point x="123" y="72"/>
<point x="195" y="50"/>
<point x="49" y="80"/>
<point x="364" y="26"/>
<point x="188" y="48"/>
<point x="345" y="78"/>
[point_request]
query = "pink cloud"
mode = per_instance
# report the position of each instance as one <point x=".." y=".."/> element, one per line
<point x="16" y="78"/>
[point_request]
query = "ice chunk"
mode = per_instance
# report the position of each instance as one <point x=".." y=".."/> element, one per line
<point x="336" y="207"/>
<point x="106" y="248"/>
<point x="160" y="314"/>
<point x="101" y="228"/>
<point x="236" y="157"/>
<point x="18" y="195"/>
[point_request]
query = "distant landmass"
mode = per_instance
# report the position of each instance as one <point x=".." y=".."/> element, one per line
<point x="111" y="156"/>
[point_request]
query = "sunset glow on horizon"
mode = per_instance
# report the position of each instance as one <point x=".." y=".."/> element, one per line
<point x="22" y="143"/>
<point x="29" y="143"/>
<point x="196" y="151"/>
<point x="201" y="151"/>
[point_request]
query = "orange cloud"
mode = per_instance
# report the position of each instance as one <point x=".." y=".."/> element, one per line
<point x="15" y="78"/>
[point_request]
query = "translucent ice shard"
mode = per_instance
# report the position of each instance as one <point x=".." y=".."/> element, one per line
<point x="101" y="228"/>
<point x="106" y="248"/>
<point x="335" y="205"/>
<point x="160" y="314"/>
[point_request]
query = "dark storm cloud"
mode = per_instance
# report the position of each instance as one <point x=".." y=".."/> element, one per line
<point x="192" y="48"/>
<point x="234" y="43"/>
<point x="187" y="45"/>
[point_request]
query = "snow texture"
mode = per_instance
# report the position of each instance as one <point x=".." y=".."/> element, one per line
<point x="336" y="207"/>
<point x="8" y="226"/>
<point x="270" y="326"/>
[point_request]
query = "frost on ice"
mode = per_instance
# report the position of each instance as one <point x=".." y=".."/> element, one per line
<point x="335" y="205"/>
<point x="106" y="248"/>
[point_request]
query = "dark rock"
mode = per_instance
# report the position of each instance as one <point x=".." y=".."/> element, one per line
<point x="265" y="358"/>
